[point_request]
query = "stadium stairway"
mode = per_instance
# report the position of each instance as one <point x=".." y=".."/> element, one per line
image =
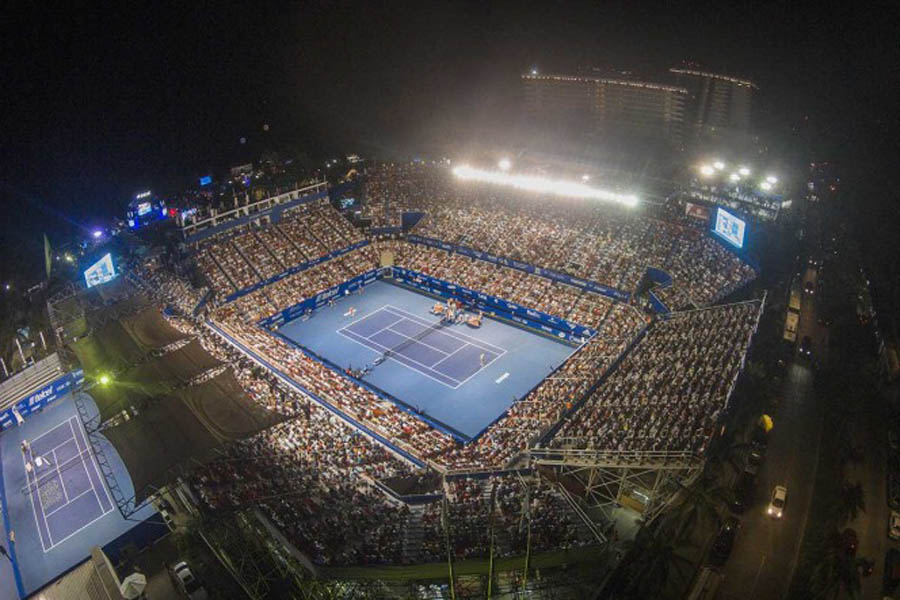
<point x="249" y="262"/>
<point x="222" y="269"/>
<point x="413" y="534"/>
<point x="276" y="227"/>
<point x="281" y="266"/>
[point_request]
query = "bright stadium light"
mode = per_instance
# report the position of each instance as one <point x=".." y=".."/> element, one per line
<point x="707" y="170"/>
<point x="585" y="177"/>
<point x="744" y="171"/>
<point x="533" y="183"/>
<point x="765" y="185"/>
<point x="97" y="233"/>
<point x="734" y="177"/>
<point x="771" y="179"/>
<point x="104" y="379"/>
<point x="718" y="165"/>
<point x="504" y="164"/>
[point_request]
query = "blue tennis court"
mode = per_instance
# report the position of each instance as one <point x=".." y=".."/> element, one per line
<point x="55" y="497"/>
<point x="64" y="483"/>
<point x="429" y="348"/>
<point x="459" y="377"/>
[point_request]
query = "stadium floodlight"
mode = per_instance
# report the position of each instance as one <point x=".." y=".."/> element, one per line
<point x="734" y="177"/>
<point x="534" y="183"/>
<point x="771" y="179"/>
<point x="718" y="165"/>
<point x="707" y="170"/>
<point x="765" y="185"/>
<point x="585" y="177"/>
<point x="97" y="233"/>
<point x="534" y="71"/>
<point x="504" y="164"/>
<point x="104" y="379"/>
<point x="744" y="171"/>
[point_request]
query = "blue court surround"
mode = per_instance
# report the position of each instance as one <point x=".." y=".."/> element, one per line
<point x="62" y="508"/>
<point x="461" y="377"/>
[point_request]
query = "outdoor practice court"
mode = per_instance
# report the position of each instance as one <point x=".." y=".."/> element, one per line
<point x="460" y="377"/>
<point x="58" y="510"/>
<point x="67" y="492"/>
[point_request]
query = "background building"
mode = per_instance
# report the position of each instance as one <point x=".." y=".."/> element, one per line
<point x="718" y="107"/>
<point x="608" y="107"/>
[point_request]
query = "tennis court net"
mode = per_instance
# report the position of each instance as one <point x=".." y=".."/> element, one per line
<point x="405" y="343"/>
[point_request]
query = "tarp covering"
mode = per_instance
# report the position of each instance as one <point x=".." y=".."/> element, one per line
<point x="110" y="348"/>
<point x="172" y="432"/>
<point x="153" y="377"/>
<point x="151" y="329"/>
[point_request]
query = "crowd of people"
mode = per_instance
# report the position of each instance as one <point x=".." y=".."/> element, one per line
<point x="314" y="474"/>
<point x="255" y="253"/>
<point x="580" y="238"/>
<point x="671" y="389"/>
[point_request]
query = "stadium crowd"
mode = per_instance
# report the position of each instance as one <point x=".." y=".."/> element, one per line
<point x="314" y="474"/>
<point x="670" y="391"/>
<point x="583" y="239"/>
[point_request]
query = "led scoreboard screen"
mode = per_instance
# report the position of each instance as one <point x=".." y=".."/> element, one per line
<point x="730" y="228"/>
<point x="100" y="272"/>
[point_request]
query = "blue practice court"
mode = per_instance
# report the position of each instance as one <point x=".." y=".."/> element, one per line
<point x="56" y="500"/>
<point x="463" y="378"/>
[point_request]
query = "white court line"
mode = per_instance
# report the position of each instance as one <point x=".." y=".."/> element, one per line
<point x="59" y="474"/>
<point x="480" y="368"/>
<point x="444" y="383"/>
<point x="37" y="522"/>
<point x="59" y="508"/>
<point x="52" y="429"/>
<point x="96" y="471"/>
<point x="419" y="341"/>
<point x="460" y="336"/>
<point x="371" y="314"/>
<point x="448" y="356"/>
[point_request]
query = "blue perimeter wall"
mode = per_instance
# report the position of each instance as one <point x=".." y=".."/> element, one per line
<point x="41" y="398"/>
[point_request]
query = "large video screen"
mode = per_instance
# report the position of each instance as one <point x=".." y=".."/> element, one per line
<point x="730" y="228"/>
<point x="143" y="208"/>
<point x="100" y="272"/>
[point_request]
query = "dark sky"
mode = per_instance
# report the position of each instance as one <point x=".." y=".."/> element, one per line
<point x="101" y="103"/>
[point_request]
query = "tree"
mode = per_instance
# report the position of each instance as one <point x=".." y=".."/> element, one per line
<point x="704" y="498"/>
<point x="652" y="559"/>
<point x="849" y="502"/>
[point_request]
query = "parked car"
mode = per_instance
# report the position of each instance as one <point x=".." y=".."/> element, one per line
<point x="721" y="547"/>
<point x="743" y="492"/>
<point x="188" y="583"/>
<point x="894" y="525"/>
<point x="893" y="490"/>
<point x="776" y="504"/>
<point x="891" y="570"/>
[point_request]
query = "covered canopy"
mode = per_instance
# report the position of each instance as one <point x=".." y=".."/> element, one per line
<point x="174" y="431"/>
<point x="150" y="328"/>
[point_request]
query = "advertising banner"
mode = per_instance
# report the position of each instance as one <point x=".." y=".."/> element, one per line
<point x="41" y="398"/>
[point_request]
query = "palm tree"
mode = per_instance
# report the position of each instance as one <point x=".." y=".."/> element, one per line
<point x="850" y="501"/>
<point x="651" y="561"/>
<point x="703" y="499"/>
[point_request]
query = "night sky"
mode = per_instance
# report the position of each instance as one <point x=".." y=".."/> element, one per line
<point x="101" y="103"/>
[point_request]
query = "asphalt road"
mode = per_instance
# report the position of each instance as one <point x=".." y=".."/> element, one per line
<point x="765" y="552"/>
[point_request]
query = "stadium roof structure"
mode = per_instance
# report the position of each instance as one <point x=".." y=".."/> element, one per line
<point x="176" y="431"/>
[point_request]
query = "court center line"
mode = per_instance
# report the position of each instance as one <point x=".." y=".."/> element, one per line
<point x="62" y="483"/>
<point x="421" y="371"/>
<point x="96" y="471"/>
<point x="59" y="508"/>
<point x="31" y="491"/>
<point x="460" y="336"/>
<point x="448" y="356"/>
<point x="419" y="341"/>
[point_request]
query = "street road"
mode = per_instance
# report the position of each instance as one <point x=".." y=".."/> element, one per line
<point x="765" y="551"/>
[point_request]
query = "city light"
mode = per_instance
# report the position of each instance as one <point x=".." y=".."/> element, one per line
<point x="97" y="233"/>
<point x="585" y="177"/>
<point x="533" y="183"/>
<point x="744" y="171"/>
<point x="771" y="179"/>
<point x="104" y="379"/>
<point x="718" y="165"/>
<point x="766" y="185"/>
<point x="734" y="177"/>
<point x="504" y="164"/>
<point x="707" y="171"/>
